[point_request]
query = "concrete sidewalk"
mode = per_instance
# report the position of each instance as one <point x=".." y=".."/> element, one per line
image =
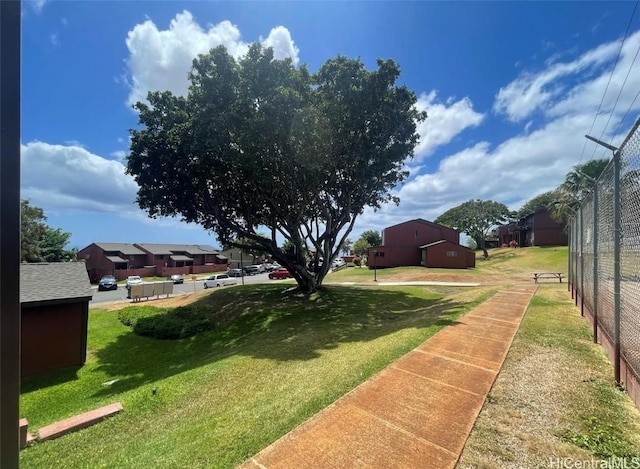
<point x="417" y="412"/>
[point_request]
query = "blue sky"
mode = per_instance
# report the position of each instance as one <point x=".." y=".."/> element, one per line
<point x="511" y="88"/>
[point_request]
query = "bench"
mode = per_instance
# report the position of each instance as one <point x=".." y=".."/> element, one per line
<point x="550" y="275"/>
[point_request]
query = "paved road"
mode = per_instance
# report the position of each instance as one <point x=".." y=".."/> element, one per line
<point x="186" y="287"/>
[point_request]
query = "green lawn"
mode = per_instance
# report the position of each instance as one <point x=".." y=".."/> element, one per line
<point x="502" y="265"/>
<point x="223" y="395"/>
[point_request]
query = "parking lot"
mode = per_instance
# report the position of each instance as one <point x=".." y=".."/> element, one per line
<point x="186" y="287"/>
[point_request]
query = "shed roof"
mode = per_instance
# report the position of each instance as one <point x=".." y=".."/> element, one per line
<point x="54" y="281"/>
<point x="171" y="248"/>
<point x="125" y="248"/>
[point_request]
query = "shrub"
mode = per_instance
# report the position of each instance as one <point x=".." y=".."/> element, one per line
<point x="177" y="323"/>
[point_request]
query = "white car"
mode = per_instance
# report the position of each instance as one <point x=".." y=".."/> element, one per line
<point x="133" y="280"/>
<point x="219" y="280"/>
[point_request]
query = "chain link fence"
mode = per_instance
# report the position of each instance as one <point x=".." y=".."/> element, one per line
<point x="604" y="258"/>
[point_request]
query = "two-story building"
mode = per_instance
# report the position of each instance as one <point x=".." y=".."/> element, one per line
<point x="420" y="242"/>
<point x="149" y="259"/>
<point x="536" y="229"/>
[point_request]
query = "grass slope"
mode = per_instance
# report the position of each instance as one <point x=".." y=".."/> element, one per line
<point x="273" y="361"/>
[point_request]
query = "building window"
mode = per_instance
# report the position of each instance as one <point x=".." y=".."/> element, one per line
<point x="452" y="253"/>
<point x="379" y="253"/>
<point x="416" y="234"/>
<point x="160" y="256"/>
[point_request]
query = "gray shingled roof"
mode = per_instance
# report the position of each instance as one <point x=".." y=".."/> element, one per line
<point x="54" y="281"/>
<point x="192" y="249"/>
<point x="125" y="248"/>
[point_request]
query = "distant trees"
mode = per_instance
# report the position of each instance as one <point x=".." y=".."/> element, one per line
<point x="38" y="241"/>
<point x="566" y="198"/>
<point x="577" y="183"/>
<point x="346" y="247"/>
<point x="476" y="218"/>
<point x="365" y="241"/>
<point x="543" y="201"/>
<point x="260" y="143"/>
<point x="360" y="247"/>
<point x="372" y="237"/>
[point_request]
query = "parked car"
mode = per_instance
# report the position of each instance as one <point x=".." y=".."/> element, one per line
<point x="280" y="274"/>
<point x="133" y="280"/>
<point x="269" y="267"/>
<point x="177" y="278"/>
<point x="251" y="270"/>
<point x="108" y="282"/>
<point x="219" y="280"/>
<point x="234" y="273"/>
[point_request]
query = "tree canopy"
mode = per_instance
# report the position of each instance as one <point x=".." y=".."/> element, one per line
<point x="360" y="247"/>
<point x="260" y="143"/>
<point x="38" y="241"/>
<point x="476" y="218"/>
<point x="544" y="201"/>
<point x="372" y="237"/>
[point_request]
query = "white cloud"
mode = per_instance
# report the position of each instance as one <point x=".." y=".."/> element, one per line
<point x="70" y="177"/>
<point x="119" y="154"/>
<point x="444" y="121"/>
<point x="538" y="157"/>
<point x="38" y="5"/>
<point x="161" y="59"/>
<point x="531" y="92"/>
<point x="283" y="46"/>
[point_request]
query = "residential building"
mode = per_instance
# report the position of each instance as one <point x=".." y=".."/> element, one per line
<point x="150" y="259"/>
<point x="420" y="242"/>
<point x="536" y="229"/>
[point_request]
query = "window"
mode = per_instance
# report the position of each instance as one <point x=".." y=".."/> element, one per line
<point x="160" y="256"/>
<point x="379" y="253"/>
<point x="452" y="253"/>
<point x="416" y="234"/>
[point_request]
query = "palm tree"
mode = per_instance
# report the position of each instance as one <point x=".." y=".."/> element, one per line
<point x="347" y="244"/>
<point x="577" y="184"/>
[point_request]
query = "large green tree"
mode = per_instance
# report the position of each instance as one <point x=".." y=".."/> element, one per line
<point x="476" y="218"/>
<point x="260" y="143"/>
<point x="32" y="228"/>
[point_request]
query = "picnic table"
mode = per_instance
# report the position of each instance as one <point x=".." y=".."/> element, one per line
<point x="551" y="275"/>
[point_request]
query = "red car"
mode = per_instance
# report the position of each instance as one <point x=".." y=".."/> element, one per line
<point x="280" y="273"/>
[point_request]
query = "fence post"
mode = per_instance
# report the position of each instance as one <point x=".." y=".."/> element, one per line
<point x="594" y="306"/>
<point x="569" y="276"/>
<point x="616" y="262"/>
<point x="581" y="262"/>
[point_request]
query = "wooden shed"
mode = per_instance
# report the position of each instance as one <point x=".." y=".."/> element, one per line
<point x="446" y="254"/>
<point x="54" y="299"/>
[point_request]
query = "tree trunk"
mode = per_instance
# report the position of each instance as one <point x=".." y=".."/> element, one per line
<point x="481" y="244"/>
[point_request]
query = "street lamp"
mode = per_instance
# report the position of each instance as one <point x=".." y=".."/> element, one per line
<point x="375" y="272"/>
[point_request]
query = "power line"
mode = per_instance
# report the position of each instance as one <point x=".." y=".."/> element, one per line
<point x="620" y="93"/>
<point x="626" y="33"/>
